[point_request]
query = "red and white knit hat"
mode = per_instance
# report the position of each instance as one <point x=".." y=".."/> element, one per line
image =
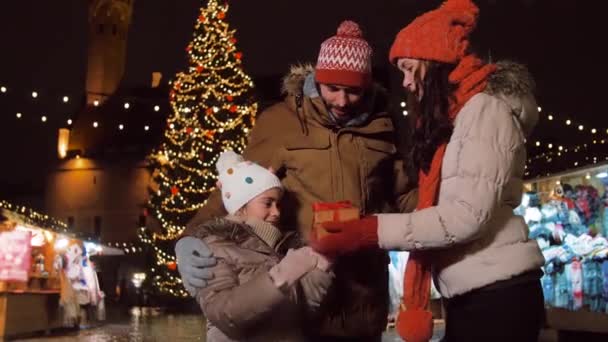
<point x="346" y="58"/>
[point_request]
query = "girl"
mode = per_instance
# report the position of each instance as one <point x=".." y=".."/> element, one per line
<point x="258" y="293"/>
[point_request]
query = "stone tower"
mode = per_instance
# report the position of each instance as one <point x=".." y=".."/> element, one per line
<point x="109" y="22"/>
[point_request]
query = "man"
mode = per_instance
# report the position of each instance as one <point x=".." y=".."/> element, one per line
<point x="329" y="140"/>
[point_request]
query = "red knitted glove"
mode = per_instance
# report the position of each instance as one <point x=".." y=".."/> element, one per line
<point x="347" y="237"/>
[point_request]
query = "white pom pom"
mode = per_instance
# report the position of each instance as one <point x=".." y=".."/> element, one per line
<point x="227" y="160"/>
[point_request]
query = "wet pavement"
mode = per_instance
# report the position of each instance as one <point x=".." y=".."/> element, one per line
<point x="153" y="325"/>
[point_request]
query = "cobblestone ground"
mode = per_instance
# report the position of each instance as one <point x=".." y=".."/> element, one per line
<point x="153" y="325"/>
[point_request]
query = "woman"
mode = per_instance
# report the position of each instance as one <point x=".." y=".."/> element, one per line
<point x="469" y="149"/>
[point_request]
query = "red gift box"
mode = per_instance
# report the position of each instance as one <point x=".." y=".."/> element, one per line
<point x="331" y="212"/>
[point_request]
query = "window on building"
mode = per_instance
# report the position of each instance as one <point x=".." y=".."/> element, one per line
<point x="97" y="226"/>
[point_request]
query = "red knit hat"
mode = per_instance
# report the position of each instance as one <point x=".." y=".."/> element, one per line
<point x="346" y="58"/>
<point x="441" y="35"/>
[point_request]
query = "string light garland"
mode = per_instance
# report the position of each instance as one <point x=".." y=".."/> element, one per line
<point x="212" y="110"/>
<point x="550" y="156"/>
<point x="66" y="99"/>
<point x="35" y="218"/>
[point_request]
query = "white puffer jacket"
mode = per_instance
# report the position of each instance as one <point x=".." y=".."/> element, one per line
<point x="475" y="237"/>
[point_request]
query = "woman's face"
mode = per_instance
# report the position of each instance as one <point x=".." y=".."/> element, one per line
<point x="414" y="71"/>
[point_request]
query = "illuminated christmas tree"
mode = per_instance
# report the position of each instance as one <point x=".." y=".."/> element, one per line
<point x="213" y="110"/>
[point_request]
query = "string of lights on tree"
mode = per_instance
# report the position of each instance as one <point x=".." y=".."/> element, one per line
<point x="35" y="218"/>
<point x="127" y="247"/>
<point x="212" y="110"/>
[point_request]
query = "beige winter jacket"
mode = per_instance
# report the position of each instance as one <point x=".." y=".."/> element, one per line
<point x="475" y="236"/>
<point x="241" y="302"/>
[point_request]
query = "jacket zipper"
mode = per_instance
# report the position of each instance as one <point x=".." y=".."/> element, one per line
<point x="338" y="177"/>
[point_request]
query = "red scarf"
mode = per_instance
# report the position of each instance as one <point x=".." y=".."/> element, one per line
<point x="415" y="321"/>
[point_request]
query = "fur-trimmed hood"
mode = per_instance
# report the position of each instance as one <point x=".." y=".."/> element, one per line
<point x="513" y="83"/>
<point x="293" y="82"/>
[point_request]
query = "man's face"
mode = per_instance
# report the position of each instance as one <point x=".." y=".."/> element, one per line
<point x="342" y="101"/>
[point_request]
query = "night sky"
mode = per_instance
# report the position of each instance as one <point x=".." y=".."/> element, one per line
<point x="43" y="47"/>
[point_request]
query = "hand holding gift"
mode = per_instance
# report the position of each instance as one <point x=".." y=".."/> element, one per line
<point x="337" y="229"/>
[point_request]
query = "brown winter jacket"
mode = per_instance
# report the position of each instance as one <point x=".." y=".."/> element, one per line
<point x="241" y="302"/>
<point x="320" y="162"/>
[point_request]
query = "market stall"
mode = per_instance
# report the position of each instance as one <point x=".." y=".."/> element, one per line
<point x="568" y="218"/>
<point x="47" y="280"/>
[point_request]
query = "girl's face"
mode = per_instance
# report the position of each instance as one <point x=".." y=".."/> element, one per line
<point x="264" y="206"/>
<point x="414" y="71"/>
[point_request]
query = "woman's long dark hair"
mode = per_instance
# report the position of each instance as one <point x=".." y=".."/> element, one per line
<point x="434" y="127"/>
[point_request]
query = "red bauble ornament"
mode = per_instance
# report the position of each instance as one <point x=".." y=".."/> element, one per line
<point x="172" y="265"/>
<point x="210" y="134"/>
<point x="188" y="48"/>
<point x="200" y="69"/>
<point x="172" y="94"/>
<point x="229" y="98"/>
<point x="201" y="156"/>
<point x="174" y="190"/>
<point x="189" y="130"/>
<point x="233" y="109"/>
<point x="201" y="18"/>
<point x="221" y="15"/>
<point x="209" y="111"/>
<point x="233" y="40"/>
<point x="145" y="212"/>
<point x="177" y="85"/>
<point x="238" y="55"/>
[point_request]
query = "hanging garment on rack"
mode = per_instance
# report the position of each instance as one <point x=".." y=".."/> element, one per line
<point x="576" y="281"/>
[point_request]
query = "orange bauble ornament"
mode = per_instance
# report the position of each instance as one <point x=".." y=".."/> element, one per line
<point x="172" y="265"/>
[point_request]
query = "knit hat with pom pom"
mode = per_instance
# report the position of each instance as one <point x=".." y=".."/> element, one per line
<point x="242" y="180"/>
<point x="441" y="35"/>
<point x="346" y="58"/>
